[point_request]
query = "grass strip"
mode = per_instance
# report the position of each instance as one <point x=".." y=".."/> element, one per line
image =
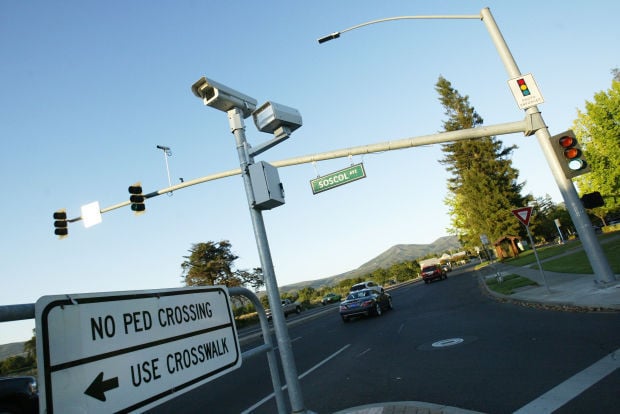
<point x="509" y="283"/>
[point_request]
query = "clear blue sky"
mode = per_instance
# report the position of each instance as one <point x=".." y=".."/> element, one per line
<point x="90" y="88"/>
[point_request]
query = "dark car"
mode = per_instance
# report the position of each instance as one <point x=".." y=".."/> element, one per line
<point x="365" y="302"/>
<point x="19" y="395"/>
<point x="331" y="298"/>
<point x="433" y="272"/>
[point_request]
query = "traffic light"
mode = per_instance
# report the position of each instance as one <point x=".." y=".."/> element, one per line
<point x="137" y="198"/>
<point x="523" y="87"/>
<point x="592" y="200"/>
<point x="60" y="224"/>
<point x="569" y="154"/>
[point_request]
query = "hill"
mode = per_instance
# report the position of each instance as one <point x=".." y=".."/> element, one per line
<point x="395" y="254"/>
<point x="12" y="349"/>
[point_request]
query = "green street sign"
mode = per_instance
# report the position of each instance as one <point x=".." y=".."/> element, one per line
<point x="338" y="178"/>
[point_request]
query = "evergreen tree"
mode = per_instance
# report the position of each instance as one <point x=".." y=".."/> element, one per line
<point x="483" y="185"/>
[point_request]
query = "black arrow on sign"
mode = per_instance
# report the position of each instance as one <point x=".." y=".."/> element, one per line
<point x="99" y="387"/>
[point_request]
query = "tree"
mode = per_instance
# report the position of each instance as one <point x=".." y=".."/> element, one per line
<point x="211" y="264"/>
<point x="30" y="348"/>
<point x="598" y="130"/>
<point x="484" y="186"/>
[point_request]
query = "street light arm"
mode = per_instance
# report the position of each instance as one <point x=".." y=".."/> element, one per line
<point x="336" y="35"/>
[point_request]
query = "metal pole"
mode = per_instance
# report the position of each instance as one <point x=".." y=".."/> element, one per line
<point x="542" y="273"/>
<point x="602" y="271"/>
<point x="235" y="119"/>
<point x="271" y="357"/>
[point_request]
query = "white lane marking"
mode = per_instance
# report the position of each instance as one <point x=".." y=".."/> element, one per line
<point x="400" y="328"/>
<point x="270" y="396"/>
<point x="362" y="353"/>
<point x="572" y="387"/>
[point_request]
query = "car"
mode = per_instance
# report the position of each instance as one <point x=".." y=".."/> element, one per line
<point x="365" y="302"/>
<point x="366" y="285"/>
<point x="19" y="395"/>
<point x="331" y="298"/>
<point x="433" y="272"/>
<point x="288" y="307"/>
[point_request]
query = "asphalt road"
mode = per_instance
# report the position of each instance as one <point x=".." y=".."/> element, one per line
<point x="444" y="343"/>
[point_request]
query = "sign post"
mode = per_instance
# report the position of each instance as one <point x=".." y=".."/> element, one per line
<point x="129" y="351"/>
<point x="524" y="214"/>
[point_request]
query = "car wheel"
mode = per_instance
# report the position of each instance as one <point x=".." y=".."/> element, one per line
<point x="378" y="310"/>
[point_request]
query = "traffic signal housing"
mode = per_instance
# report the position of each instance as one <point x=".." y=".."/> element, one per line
<point x="137" y="198"/>
<point x="592" y="200"/>
<point x="569" y="154"/>
<point x="61" y="228"/>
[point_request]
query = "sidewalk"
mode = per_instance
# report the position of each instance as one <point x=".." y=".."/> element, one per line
<point x="567" y="290"/>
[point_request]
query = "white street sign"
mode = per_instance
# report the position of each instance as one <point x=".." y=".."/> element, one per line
<point x="129" y="351"/>
<point x="525" y="90"/>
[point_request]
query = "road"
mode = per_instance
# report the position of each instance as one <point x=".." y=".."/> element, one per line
<point x="444" y="343"/>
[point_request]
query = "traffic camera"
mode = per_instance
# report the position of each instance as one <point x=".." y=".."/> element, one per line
<point x="222" y="97"/>
<point x="277" y="119"/>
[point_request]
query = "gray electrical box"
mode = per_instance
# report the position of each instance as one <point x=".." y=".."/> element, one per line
<point x="268" y="190"/>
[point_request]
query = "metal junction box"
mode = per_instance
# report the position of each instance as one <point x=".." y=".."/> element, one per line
<point x="268" y="190"/>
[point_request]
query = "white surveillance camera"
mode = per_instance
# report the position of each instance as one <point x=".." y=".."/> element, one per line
<point x="276" y="118"/>
<point x="222" y="97"/>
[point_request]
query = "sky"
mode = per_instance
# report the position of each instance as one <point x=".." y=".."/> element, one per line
<point x="89" y="89"/>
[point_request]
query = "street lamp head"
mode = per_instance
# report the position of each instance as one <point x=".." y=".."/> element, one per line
<point x="219" y="96"/>
<point x="329" y="37"/>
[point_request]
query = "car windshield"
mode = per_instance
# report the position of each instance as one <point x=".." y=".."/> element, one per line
<point x="359" y="295"/>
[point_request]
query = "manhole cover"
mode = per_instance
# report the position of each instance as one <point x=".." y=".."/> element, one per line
<point x="447" y="342"/>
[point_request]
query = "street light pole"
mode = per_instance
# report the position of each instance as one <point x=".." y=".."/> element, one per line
<point x="602" y="271"/>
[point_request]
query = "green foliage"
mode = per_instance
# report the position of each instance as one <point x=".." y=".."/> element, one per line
<point x="483" y="184"/>
<point x="542" y="222"/>
<point x="211" y="264"/>
<point x="598" y="131"/>
<point x="20" y="363"/>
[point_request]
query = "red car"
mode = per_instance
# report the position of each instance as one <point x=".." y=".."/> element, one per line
<point x="432" y="272"/>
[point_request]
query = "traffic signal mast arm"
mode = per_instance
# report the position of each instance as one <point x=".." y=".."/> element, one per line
<point x="527" y="126"/>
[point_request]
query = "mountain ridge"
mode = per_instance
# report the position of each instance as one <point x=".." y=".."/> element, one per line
<point x="395" y="254"/>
